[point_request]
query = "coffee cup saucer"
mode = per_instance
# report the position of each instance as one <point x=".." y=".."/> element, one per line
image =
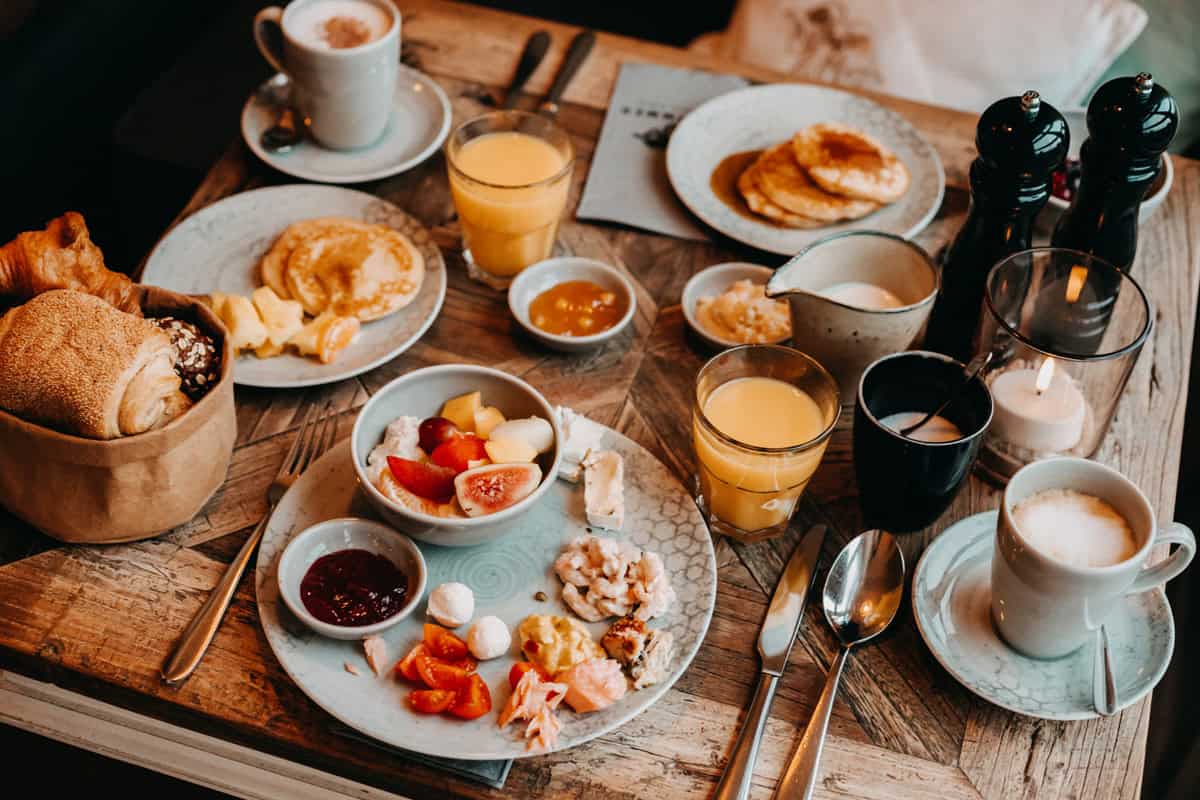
<point x="952" y="604"/>
<point x="419" y="124"/>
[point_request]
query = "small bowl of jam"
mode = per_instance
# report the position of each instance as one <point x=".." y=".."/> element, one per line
<point x="572" y="303"/>
<point x="349" y="578"/>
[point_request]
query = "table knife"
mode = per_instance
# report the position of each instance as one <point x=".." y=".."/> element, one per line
<point x="775" y="639"/>
<point x="531" y="57"/>
<point x="577" y="53"/>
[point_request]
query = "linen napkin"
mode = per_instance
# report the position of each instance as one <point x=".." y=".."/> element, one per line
<point x="628" y="181"/>
<point x="489" y="773"/>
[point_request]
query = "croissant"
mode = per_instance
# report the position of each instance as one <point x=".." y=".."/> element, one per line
<point x="62" y="257"/>
<point x="71" y="361"/>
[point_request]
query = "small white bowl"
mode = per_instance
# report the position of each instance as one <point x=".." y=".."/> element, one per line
<point x="421" y="393"/>
<point x="1077" y="125"/>
<point x="535" y="279"/>
<point x="711" y="282"/>
<point x="348" y="533"/>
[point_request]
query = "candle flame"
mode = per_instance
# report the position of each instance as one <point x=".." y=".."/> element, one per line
<point x="1045" y="376"/>
<point x="1075" y="282"/>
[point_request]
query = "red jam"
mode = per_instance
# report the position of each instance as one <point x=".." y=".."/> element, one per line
<point x="353" y="588"/>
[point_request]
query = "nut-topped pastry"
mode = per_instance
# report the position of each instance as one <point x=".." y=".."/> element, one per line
<point x="197" y="360"/>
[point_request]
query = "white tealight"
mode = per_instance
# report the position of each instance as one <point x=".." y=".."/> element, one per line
<point x="862" y="295"/>
<point x="1049" y="421"/>
<point x="938" y="429"/>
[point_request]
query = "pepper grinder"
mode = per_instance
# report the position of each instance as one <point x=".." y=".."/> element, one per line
<point x="1130" y="121"/>
<point x="1021" y="141"/>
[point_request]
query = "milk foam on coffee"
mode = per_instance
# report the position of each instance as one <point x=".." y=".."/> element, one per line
<point x="1074" y="528"/>
<point x="938" y="429"/>
<point x="338" y="24"/>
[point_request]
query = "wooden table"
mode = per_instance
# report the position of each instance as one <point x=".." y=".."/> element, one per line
<point x="98" y="621"/>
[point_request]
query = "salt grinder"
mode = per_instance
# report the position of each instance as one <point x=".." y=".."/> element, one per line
<point x="1021" y="141"/>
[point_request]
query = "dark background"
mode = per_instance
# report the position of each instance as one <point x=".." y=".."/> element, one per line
<point x="116" y="108"/>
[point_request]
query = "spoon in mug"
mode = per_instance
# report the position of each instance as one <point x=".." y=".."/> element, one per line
<point x="862" y="594"/>
<point x="973" y="369"/>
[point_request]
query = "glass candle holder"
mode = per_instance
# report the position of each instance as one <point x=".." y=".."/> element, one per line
<point x="510" y="176"/>
<point x="763" y="415"/>
<point x="1064" y="329"/>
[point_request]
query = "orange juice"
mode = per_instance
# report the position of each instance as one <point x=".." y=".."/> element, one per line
<point x="747" y="487"/>
<point x="510" y="189"/>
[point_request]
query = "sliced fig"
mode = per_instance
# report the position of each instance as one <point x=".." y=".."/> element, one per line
<point x="494" y="487"/>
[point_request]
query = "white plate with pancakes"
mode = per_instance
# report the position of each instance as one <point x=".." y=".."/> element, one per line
<point x="223" y="248"/>
<point x="781" y="166"/>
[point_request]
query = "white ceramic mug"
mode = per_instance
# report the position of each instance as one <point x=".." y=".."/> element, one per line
<point x="1047" y="609"/>
<point x="344" y="95"/>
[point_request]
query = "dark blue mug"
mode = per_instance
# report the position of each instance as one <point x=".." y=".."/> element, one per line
<point x="906" y="482"/>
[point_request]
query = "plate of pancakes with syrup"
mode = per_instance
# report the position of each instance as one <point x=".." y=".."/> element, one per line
<point x="315" y="284"/>
<point x="782" y="165"/>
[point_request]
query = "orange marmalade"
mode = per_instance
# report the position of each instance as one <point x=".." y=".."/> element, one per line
<point x="576" y="308"/>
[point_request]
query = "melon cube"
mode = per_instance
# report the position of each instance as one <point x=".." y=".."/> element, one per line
<point x="461" y="411"/>
<point x="509" y="451"/>
<point x="486" y="419"/>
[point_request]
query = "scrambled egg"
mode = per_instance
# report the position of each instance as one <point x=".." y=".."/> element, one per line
<point x="743" y="313"/>
<point x="556" y="643"/>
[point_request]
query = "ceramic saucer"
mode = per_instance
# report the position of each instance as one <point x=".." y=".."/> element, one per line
<point x="951" y="601"/>
<point x="419" y="124"/>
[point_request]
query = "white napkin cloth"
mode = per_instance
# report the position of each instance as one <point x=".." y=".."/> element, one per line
<point x="964" y="55"/>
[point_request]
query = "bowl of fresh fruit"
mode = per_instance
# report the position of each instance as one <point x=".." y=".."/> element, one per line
<point x="455" y="454"/>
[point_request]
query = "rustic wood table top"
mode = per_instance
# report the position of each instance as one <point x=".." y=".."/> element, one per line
<point x="100" y="620"/>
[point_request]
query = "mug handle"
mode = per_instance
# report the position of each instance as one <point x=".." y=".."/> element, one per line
<point x="269" y="41"/>
<point x="1172" y="565"/>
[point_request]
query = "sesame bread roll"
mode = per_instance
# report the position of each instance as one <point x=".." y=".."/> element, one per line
<point x="74" y="363"/>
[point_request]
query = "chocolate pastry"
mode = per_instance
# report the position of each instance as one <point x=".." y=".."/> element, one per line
<point x="198" y="361"/>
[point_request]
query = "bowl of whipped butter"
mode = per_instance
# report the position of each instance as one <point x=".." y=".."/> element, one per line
<point x="726" y="306"/>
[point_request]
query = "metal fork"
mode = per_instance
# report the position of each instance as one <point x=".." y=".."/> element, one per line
<point x="310" y="443"/>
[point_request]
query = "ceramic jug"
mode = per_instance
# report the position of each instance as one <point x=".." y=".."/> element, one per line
<point x="846" y="338"/>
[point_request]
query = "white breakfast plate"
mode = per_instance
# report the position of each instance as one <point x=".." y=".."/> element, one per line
<point x="660" y="515"/>
<point x="218" y="249"/>
<point x="419" y="124"/>
<point x="760" y="116"/>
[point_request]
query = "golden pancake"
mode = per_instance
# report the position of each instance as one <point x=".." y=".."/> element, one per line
<point x="274" y="263"/>
<point x="785" y="184"/>
<point x="756" y="201"/>
<point x="366" y="272"/>
<point x="846" y="161"/>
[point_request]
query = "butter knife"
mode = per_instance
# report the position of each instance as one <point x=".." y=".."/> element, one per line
<point x="531" y="57"/>
<point x="577" y="53"/>
<point x="775" y="639"/>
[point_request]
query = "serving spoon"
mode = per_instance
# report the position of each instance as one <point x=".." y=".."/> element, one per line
<point x="862" y="594"/>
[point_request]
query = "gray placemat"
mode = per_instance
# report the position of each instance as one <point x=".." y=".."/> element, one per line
<point x="490" y="773"/>
<point x="628" y="181"/>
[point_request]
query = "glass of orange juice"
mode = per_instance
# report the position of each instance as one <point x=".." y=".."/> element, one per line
<point x="510" y="174"/>
<point x="763" y="415"/>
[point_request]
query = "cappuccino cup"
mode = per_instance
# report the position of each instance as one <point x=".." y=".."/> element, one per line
<point x="342" y="57"/>
<point x="1072" y="540"/>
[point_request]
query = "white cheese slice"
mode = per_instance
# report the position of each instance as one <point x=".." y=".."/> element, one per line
<point x="604" y="489"/>
<point x="580" y="436"/>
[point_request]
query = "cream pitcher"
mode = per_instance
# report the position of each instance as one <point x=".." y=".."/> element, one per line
<point x="856" y="297"/>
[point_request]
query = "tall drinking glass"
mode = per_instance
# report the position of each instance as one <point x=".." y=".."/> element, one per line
<point x="510" y="175"/>
<point x="762" y="418"/>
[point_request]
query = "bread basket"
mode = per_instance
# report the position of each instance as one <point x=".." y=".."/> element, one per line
<point x="89" y="491"/>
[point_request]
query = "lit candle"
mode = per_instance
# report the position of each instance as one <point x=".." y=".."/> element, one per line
<point x="861" y="294"/>
<point x="1041" y="410"/>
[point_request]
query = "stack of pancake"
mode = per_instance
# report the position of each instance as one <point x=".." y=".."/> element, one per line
<point x="825" y="173"/>
<point x="350" y="268"/>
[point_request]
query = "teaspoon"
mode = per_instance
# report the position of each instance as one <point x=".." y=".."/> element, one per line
<point x="862" y="594"/>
